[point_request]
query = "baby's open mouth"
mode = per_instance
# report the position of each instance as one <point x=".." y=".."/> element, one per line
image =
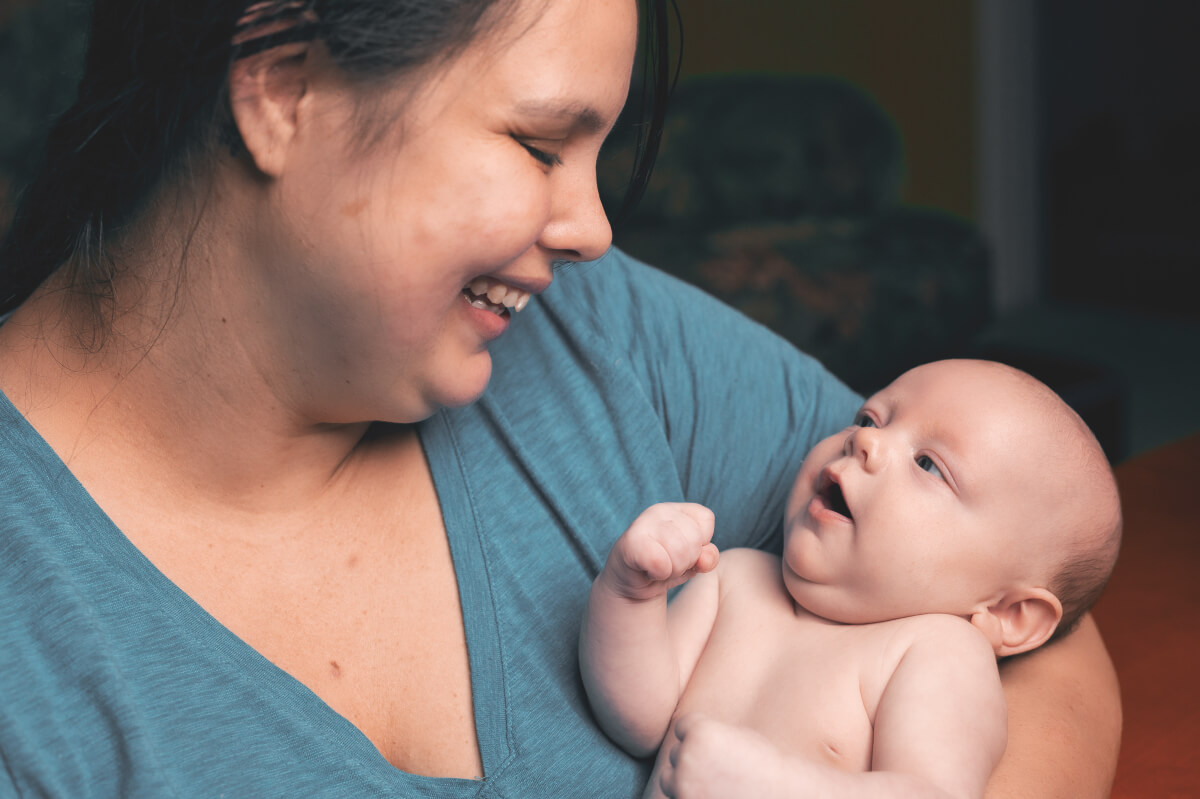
<point x="487" y="294"/>
<point x="832" y="497"/>
<point x="837" y="501"/>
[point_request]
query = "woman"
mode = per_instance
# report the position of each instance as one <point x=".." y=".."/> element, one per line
<point x="265" y="532"/>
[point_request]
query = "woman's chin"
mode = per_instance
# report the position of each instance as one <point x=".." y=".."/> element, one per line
<point x="467" y="383"/>
<point x="410" y="402"/>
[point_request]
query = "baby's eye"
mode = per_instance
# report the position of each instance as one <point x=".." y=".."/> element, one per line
<point x="926" y="463"/>
<point x="862" y="420"/>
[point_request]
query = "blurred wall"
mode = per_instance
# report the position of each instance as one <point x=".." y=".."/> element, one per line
<point x="41" y="50"/>
<point x="916" y="57"/>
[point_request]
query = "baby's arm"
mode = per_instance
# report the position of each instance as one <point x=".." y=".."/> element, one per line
<point x="942" y="718"/>
<point x="634" y="660"/>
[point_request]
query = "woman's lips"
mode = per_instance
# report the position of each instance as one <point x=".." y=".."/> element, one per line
<point x="486" y="320"/>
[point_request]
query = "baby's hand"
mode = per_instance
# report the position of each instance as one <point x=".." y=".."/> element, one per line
<point x="710" y="760"/>
<point x="666" y="545"/>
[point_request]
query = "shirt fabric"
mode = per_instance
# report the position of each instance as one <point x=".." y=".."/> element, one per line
<point x="617" y="388"/>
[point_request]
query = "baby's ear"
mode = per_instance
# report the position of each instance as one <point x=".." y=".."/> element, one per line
<point x="1020" y="621"/>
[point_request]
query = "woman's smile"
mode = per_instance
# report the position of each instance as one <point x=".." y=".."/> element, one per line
<point x="461" y="213"/>
<point x="488" y="319"/>
<point x="489" y="294"/>
<point x="490" y="303"/>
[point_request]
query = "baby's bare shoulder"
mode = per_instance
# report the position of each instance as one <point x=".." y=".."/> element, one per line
<point x="745" y="558"/>
<point x="944" y="625"/>
<point x="744" y="567"/>
<point x="942" y="636"/>
<point x="944" y="649"/>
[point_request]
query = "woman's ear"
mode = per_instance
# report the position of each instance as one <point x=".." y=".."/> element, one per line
<point x="1020" y="621"/>
<point x="266" y="91"/>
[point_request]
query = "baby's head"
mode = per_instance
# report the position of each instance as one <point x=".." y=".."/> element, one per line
<point x="964" y="487"/>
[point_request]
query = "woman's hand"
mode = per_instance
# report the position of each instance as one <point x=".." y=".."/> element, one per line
<point x="666" y="545"/>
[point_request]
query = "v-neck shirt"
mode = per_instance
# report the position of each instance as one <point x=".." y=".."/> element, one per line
<point x="617" y="388"/>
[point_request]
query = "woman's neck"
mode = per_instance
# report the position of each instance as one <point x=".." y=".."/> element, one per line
<point x="176" y="387"/>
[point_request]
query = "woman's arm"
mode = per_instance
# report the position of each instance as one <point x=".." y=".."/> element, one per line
<point x="1064" y="720"/>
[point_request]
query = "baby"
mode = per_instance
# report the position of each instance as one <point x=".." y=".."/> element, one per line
<point x="967" y="514"/>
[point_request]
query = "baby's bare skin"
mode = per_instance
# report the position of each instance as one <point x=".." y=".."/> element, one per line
<point x="793" y="704"/>
<point x="809" y="685"/>
<point x="919" y="545"/>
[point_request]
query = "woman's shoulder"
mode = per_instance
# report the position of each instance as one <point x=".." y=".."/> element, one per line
<point x="669" y="332"/>
<point x="629" y="300"/>
<point x="622" y="346"/>
<point x="678" y="338"/>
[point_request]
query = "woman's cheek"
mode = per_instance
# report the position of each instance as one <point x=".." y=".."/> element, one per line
<point x="512" y="215"/>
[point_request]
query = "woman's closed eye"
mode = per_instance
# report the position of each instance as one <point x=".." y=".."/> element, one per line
<point x="926" y="463"/>
<point x="541" y="156"/>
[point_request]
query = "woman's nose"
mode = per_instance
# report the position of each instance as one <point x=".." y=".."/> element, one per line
<point x="578" y="229"/>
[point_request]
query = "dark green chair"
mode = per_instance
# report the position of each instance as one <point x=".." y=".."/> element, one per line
<point x="779" y="194"/>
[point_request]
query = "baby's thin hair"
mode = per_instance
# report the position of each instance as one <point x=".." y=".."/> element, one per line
<point x="1084" y="573"/>
<point x="1081" y="581"/>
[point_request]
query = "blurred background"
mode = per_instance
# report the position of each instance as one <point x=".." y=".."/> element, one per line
<point x="887" y="182"/>
<point x="1042" y="206"/>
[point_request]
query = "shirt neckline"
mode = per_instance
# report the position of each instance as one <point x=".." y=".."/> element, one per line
<point x="247" y="664"/>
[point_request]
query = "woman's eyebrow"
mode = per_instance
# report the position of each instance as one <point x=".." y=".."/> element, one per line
<point x="579" y="115"/>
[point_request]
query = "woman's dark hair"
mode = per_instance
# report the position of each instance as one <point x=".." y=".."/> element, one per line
<point x="153" y="107"/>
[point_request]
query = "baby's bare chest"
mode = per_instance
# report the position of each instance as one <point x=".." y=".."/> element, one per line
<point x="809" y="686"/>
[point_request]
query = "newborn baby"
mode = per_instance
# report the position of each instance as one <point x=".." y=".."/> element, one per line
<point x="967" y="514"/>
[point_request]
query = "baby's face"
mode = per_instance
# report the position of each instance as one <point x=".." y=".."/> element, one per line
<point x="924" y="504"/>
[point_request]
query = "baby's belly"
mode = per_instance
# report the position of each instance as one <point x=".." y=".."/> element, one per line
<point x="817" y="715"/>
<point x="809" y="704"/>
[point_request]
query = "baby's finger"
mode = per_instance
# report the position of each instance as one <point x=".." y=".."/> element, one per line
<point x="666" y="784"/>
<point x="685" y="724"/>
<point x="706" y="561"/>
<point x="682" y="540"/>
<point x="653" y="560"/>
<point x="702" y="516"/>
<point x="666" y="776"/>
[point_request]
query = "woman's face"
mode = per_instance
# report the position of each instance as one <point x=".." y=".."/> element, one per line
<point x="487" y="178"/>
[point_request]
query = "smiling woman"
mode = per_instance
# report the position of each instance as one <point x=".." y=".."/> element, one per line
<point x="437" y="188"/>
<point x="293" y="504"/>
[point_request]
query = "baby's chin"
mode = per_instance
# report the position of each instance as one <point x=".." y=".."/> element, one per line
<point x="836" y="602"/>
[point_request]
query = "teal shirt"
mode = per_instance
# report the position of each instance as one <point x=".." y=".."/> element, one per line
<point x="618" y="388"/>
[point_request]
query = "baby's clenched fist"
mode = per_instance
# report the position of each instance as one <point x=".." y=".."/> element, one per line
<point x="665" y="546"/>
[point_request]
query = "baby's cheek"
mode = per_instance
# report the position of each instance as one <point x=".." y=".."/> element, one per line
<point x="802" y="488"/>
<point x="799" y="496"/>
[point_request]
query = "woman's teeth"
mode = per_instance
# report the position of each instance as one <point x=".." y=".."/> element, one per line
<point x="492" y="295"/>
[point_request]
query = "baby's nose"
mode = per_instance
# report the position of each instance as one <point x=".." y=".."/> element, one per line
<point x="863" y="444"/>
